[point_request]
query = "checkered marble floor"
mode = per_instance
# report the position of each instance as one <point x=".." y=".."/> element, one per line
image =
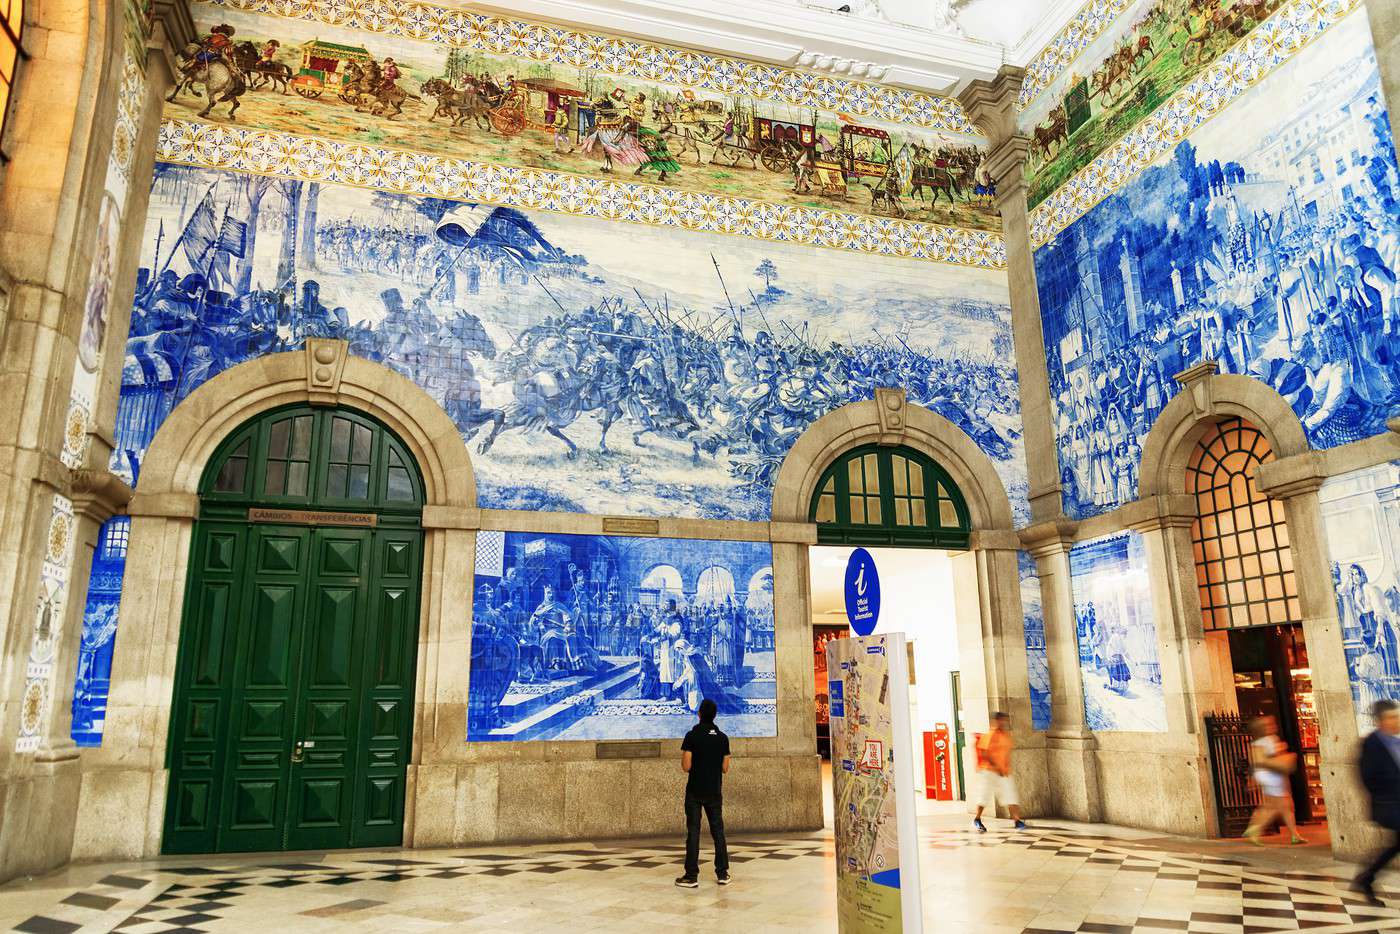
<point x="1054" y="878"/>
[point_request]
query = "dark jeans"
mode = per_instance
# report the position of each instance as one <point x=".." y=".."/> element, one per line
<point x="713" y="805"/>
<point x="1369" y="875"/>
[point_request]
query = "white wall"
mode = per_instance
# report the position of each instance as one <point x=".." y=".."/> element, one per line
<point x="916" y="598"/>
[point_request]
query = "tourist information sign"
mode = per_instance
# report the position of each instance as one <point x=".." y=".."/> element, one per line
<point x="877" y="852"/>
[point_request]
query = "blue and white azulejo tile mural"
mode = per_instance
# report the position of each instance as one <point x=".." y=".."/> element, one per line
<point x="1361" y="513"/>
<point x="598" y="637"/>
<point x="1037" y="660"/>
<point x="94" y="675"/>
<point x="1268" y="242"/>
<point x="1117" y="634"/>
<point x="592" y="367"/>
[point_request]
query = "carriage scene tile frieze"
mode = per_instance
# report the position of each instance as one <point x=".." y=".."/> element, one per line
<point x="512" y="94"/>
<point x="1158" y="56"/>
<point x="314" y="159"/>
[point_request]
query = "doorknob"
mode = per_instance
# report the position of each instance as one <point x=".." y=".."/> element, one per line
<point x="299" y="751"/>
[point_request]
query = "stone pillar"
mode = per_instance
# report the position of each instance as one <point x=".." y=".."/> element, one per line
<point x="1180" y="766"/>
<point x="992" y="647"/>
<point x="992" y="106"/>
<point x="1071" y="748"/>
<point x="1296" y="480"/>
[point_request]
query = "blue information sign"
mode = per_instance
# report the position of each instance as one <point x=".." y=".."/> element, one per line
<point x="862" y="592"/>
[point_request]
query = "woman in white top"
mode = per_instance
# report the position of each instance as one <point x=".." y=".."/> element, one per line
<point x="1272" y="765"/>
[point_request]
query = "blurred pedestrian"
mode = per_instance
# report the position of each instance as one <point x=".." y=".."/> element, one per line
<point x="994" y="780"/>
<point x="1380" y="773"/>
<point x="1272" y="763"/>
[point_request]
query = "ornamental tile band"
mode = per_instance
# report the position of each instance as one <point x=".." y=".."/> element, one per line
<point x="627" y="58"/>
<point x="1246" y="64"/>
<point x="1052" y="61"/>
<point x="266" y="152"/>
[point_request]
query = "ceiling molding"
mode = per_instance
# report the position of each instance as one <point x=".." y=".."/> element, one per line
<point x="780" y="32"/>
<point x="1043" y="32"/>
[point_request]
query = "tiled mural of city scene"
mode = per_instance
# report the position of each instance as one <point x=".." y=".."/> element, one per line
<point x="571" y="107"/>
<point x="94" y="673"/>
<point x="1037" y="660"/>
<point x="596" y="637"/>
<point x="1361" y="513"/>
<point x="1152" y="49"/>
<point x="1117" y="631"/>
<point x="592" y="367"/>
<point x="1268" y="242"/>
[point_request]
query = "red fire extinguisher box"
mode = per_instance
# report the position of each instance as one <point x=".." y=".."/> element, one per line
<point x="938" y="764"/>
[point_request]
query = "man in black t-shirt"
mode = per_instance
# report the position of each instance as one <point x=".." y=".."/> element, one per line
<point x="705" y="757"/>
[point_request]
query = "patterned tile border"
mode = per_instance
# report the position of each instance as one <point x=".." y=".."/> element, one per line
<point x="266" y="152"/>
<point x="1252" y="59"/>
<point x="626" y="58"/>
<point x="1052" y="61"/>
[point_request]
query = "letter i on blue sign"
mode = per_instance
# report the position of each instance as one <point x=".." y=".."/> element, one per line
<point x="862" y="592"/>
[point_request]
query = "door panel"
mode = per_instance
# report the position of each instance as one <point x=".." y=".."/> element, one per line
<point x="330" y="690"/>
<point x="324" y="657"/>
<point x="204" y="678"/>
<point x="386" y="718"/>
<point x="264" y="697"/>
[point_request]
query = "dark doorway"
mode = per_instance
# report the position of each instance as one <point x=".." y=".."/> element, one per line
<point x="1272" y="678"/>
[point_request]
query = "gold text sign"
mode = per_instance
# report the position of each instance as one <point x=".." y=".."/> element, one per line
<point x="311" y="517"/>
<point x="617" y="525"/>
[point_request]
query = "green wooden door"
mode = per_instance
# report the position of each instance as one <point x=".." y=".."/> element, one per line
<point x="292" y="716"/>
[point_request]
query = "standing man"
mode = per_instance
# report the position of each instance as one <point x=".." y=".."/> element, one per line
<point x="1380" y="773"/>
<point x="994" y="773"/>
<point x="705" y="758"/>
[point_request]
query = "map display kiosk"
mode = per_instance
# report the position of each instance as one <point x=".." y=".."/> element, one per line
<point x="877" y="853"/>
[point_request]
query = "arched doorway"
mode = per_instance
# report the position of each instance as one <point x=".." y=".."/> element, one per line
<point x="292" y="717"/>
<point x="884" y="498"/>
<point x="1251" y="615"/>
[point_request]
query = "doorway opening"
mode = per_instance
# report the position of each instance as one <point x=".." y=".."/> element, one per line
<point x="293" y="711"/>
<point x="904" y="509"/>
<point x="1252" y="620"/>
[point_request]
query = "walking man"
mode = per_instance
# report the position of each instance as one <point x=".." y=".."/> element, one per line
<point x="994" y="773"/>
<point x="705" y="757"/>
<point x="1380" y="773"/>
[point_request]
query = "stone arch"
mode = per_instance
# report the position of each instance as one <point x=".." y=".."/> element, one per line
<point x="184" y="443"/>
<point x="917" y="427"/>
<point x="1203" y="401"/>
<point x="127" y="774"/>
<point x="986" y="582"/>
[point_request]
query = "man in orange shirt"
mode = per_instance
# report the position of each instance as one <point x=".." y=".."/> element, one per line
<point x="994" y="782"/>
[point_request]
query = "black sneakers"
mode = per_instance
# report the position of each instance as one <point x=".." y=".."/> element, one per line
<point x="722" y="878"/>
<point x="978" y="825"/>
<point x="688" y="882"/>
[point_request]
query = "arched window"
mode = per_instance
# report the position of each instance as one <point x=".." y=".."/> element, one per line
<point x="664" y="581"/>
<point x="11" y="51"/>
<point x="1244" y="565"/>
<point x="874" y="495"/>
<point x="313" y="456"/>
<point x="715" y="586"/>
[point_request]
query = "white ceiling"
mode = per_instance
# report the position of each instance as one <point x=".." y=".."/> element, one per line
<point x="901" y="43"/>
